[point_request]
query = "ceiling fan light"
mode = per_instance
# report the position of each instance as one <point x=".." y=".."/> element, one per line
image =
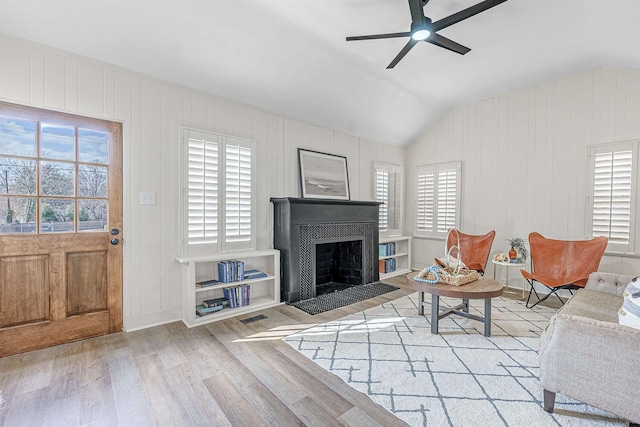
<point x="420" y="34"/>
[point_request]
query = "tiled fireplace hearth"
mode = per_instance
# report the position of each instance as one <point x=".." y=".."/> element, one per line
<point x="302" y="230"/>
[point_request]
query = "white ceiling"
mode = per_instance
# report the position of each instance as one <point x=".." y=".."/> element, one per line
<point x="290" y="56"/>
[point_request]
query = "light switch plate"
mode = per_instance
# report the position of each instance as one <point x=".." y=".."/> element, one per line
<point x="147" y="197"/>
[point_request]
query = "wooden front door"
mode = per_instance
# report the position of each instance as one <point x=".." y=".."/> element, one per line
<point x="60" y="228"/>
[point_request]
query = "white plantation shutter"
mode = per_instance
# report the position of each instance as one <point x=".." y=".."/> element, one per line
<point x="447" y="198"/>
<point x="202" y="188"/>
<point x="612" y="199"/>
<point x="425" y="202"/>
<point x="437" y="199"/>
<point x="382" y="196"/>
<point x="396" y="200"/>
<point x="388" y="191"/>
<point x="238" y="193"/>
<point x="218" y="192"/>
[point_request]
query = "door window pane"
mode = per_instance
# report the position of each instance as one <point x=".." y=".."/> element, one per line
<point x="92" y="146"/>
<point x="92" y="181"/>
<point x="57" y="142"/>
<point x="92" y="215"/>
<point x="56" y="179"/>
<point x="17" y="215"/>
<point x="17" y="176"/>
<point x="56" y="215"/>
<point x="17" y="137"/>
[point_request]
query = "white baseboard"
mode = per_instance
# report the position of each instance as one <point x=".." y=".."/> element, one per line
<point x="151" y="320"/>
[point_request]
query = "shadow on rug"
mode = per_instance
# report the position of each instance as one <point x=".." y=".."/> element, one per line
<point x="343" y="298"/>
<point x="456" y="378"/>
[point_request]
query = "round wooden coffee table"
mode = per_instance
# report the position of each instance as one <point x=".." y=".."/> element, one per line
<point x="483" y="288"/>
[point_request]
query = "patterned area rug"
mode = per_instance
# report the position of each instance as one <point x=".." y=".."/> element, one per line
<point x="456" y="378"/>
<point x="343" y="298"/>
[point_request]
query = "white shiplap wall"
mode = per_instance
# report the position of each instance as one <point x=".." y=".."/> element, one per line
<point x="152" y="113"/>
<point x="524" y="158"/>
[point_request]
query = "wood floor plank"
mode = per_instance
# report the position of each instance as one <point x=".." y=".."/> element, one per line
<point x="25" y="409"/>
<point x="314" y="414"/>
<point x="162" y="399"/>
<point x="66" y="372"/>
<point x="355" y="417"/>
<point x="233" y="404"/>
<point x="130" y="394"/>
<point x="200" y="406"/>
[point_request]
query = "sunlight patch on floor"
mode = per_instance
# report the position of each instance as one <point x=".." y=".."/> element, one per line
<point x="352" y="326"/>
<point x="276" y="333"/>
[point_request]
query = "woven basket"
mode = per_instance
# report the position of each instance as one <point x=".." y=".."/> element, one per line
<point x="446" y="275"/>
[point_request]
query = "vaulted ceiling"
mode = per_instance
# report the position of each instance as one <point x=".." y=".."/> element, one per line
<point x="290" y="56"/>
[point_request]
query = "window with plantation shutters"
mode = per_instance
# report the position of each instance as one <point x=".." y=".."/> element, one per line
<point x="218" y="192"/>
<point x="437" y="199"/>
<point x="612" y="172"/>
<point x="388" y="191"/>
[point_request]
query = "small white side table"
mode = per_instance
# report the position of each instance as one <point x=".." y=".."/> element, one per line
<point x="509" y="265"/>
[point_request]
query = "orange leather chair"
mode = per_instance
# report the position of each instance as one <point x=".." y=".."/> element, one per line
<point x="475" y="249"/>
<point x="562" y="264"/>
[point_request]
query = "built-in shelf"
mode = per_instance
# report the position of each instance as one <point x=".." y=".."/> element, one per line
<point x="402" y="255"/>
<point x="264" y="291"/>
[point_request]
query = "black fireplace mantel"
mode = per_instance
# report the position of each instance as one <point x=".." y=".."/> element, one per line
<point x="300" y="223"/>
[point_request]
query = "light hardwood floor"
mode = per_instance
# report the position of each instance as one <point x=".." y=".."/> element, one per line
<point x="221" y="374"/>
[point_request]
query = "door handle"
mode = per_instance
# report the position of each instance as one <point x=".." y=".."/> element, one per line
<point x="115" y="241"/>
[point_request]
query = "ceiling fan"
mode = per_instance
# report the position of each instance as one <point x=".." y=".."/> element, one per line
<point x="422" y="29"/>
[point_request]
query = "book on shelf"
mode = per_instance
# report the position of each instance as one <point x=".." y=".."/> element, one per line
<point x="201" y="310"/>
<point x="207" y="283"/>
<point x="214" y="302"/>
<point x="230" y="271"/>
<point x="230" y="297"/>
<point x="238" y="295"/>
<point x="254" y="274"/>
<point x="239" y="270"/>
<point x="390" y="265"/>
<point x="387" y="249"/>
<point x="223" y="271"/>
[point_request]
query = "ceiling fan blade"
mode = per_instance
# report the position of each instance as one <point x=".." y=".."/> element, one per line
<point x="466" y="13"/>
<point x="379" y="36"/>
<point x="446" y="43"/>
<point x="417" y="13"/>
<point x="402" y="53"/>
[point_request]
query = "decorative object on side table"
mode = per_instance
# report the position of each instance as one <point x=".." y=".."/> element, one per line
<point x="518" y="253"/>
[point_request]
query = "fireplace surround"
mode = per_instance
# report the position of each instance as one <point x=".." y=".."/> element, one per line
<point x="301" y="225"/>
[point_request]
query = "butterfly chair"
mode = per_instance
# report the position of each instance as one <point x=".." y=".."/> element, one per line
<point x="562" y="264"/>
<point x="475" y="250"/>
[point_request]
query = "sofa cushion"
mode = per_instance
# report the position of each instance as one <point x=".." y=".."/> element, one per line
<point x="629" y="314"/>
<point x="594" y="305"/>
<point x="608" y="282"/>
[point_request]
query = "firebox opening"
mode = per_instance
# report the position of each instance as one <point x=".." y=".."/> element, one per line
<point x="338" y="266"/>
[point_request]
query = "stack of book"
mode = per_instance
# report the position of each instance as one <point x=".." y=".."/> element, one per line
<point x="387" y="249"/>
<point x="230" y="271"/>
<point x="237" y="296"/>
<point x="387" y="265"/>
<point x="210" y="306"/>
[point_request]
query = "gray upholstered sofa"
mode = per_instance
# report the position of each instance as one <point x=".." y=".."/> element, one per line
<point x="586" y="355"/>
